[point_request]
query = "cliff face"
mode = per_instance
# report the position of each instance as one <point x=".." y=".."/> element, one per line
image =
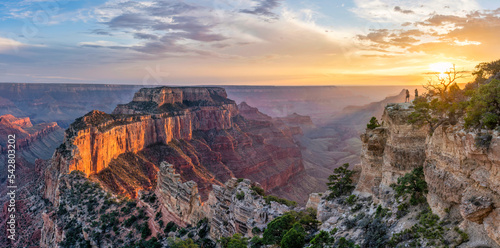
<point x="27" y="134"/>
<point x="390" y="151"/>
<point x="179" y="198"/>
<point x="462" y="178"/>
<point x="198" y="130"/>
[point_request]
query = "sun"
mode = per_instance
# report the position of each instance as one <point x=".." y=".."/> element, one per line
<point x="441" y="67"/>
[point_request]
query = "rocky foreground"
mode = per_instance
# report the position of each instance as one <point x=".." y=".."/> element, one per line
<point x="462" y="176"/>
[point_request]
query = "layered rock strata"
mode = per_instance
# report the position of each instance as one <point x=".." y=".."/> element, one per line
<point x="199" y="130"/>
<point x="462" y="174"/>
<point x="27" y="135"/>
<point x="237" y="208"/>
<point x="180" y="198"/>
<point x="464" y="177"/>
<point x="390" y="151"/>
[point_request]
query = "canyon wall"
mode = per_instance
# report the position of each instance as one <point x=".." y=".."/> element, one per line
<point x="462" y="177"/>
<point x="26" y="133"/>
<point x="198" y="130"/>
<point x="390" y="151"/>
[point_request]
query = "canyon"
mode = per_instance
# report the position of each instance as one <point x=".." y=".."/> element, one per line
<point x="199" y="130"/>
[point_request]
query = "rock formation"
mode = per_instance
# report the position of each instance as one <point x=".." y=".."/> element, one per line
<point x="237" y="208"/>
<point x="198" y="130"/>
<point x="390" y="151"/>
<point x="179" y="198"/>
<point x="30" y="138"/>
<point x="462" y="177"/>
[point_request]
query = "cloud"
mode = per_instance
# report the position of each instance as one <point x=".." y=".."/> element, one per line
<point x="163" y="26"/>
<point x="400" y="11"/>
<point x="9" y="44"/>
<point x="471" y="36"/>
<point x="404" y="11"/>
<point x="145" y="36"/>
<point x="103" y="44"/>
<point x="263" y="8"/>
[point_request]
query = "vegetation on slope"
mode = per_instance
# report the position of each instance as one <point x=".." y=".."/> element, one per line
<point x="445" y="103"/>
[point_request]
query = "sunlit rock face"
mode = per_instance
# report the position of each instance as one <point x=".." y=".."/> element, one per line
<point x="463" y="179"/>
<point x="202" y="134"/>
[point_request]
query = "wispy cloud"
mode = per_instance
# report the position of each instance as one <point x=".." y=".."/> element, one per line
<point x="263" y="8"/>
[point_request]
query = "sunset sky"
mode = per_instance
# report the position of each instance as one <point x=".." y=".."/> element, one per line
<point x="249" y="42"/>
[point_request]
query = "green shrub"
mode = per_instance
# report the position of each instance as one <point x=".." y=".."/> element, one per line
<point x="256" y="242"/>
<point x="256" y="231"/>
<point x="130" y="221"/>
<point x="258" y="190"/>
<point x="351" y="199"/>
<point x="270" y="198"/>
<point x="345" y="243"/>
<point x="321" y="240"/>
<point x="483" y="110"/>
<point x="376" y="233"/>
<point x="236" y="241"/>
<point x="277" y="228"/>
<point x="412" y="184"/>
<point x="373" y="123"/>
<point x="294" y="238"/>
<point x="240" y="195"/>
<point x="340" y="182"/>
<point x="182" y="231"/>
<point x="144" y="230"/>
<point x="179" y="243"/>
<point x="381" y="212"/>
<point x="171" y="227"/>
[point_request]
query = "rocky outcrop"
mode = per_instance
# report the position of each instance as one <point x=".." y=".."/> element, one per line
<point x="252" y="113"/>
<point x="237" y="208"/>
<point x="462" y="177"/>
<point x="51" y="234"/>
<point x="179" y="198"/>
<point x="390" y="151"/>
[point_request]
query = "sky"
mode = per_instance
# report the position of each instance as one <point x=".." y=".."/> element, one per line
<point x="244" y="42"/>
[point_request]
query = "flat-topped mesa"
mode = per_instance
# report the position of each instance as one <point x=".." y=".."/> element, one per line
<point x="93" y="140"/>
<point x="170" y="99"/>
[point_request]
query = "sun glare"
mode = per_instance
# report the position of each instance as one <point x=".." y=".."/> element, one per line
<point x="441" y="67"/>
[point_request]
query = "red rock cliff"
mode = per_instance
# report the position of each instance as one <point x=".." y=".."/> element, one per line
<point x="217" y="144"/>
